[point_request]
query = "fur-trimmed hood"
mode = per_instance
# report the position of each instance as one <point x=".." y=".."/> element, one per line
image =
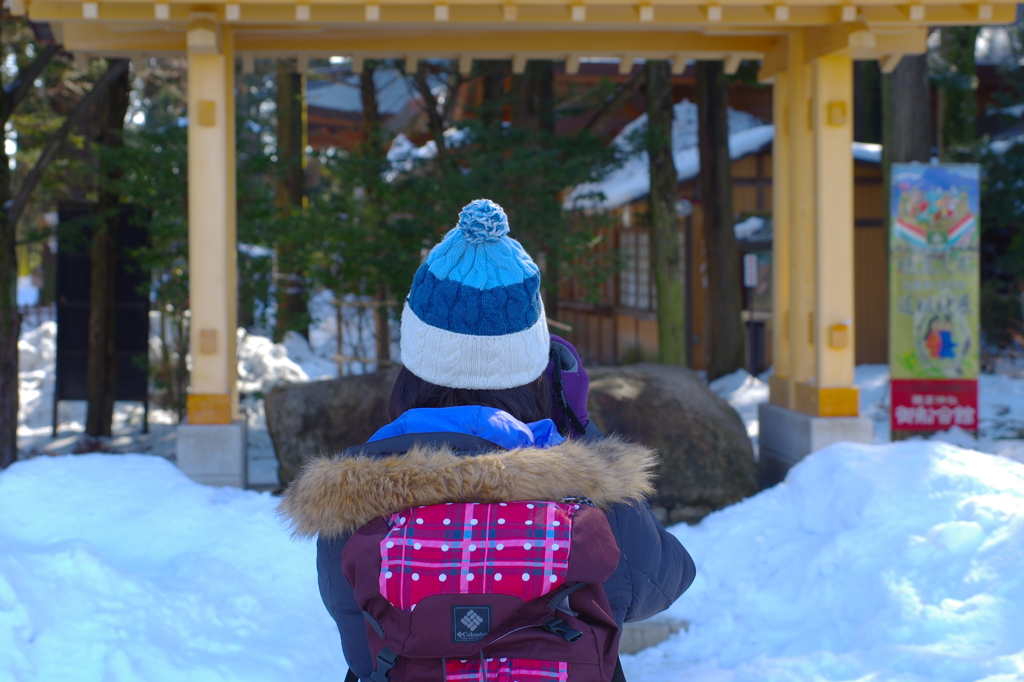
<point x="336" y="495"/>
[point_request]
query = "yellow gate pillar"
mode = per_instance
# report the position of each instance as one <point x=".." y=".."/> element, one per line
<point x="211" y="447"/>
<point x="779" y="388"/>
<point x="832" y="392"/>
<point x="802" y="191"/>
<point x="814" y="401"/>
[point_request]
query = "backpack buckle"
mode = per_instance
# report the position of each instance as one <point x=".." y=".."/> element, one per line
<point x="559" y="627"/>
<point x="386" y="660"/>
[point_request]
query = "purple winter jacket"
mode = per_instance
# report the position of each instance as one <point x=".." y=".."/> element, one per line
<point x="653" y="570"/>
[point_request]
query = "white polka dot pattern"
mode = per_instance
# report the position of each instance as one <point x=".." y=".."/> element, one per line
<point x="467" y="548"/>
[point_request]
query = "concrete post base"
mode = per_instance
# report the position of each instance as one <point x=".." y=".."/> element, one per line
<point x="214" y="454"/>
<point x="788" y="436"/>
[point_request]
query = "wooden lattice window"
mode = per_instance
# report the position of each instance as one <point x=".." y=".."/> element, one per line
<point x="635" y="281"/>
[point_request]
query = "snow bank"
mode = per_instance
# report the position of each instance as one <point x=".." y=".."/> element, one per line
<point x="744" y="392"/>
<point x="263" y="364"/>
<point x="877" y="563"/>
<point x="37" y="355"/>
<point x="118" y="568"/>
<point x="897" y="562"/>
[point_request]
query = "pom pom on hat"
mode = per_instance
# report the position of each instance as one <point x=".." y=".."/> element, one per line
<point x="474" y="317"/>
<point x="483" y="221"/>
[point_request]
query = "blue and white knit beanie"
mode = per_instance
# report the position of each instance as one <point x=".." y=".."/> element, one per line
<point x="474" y="316"/>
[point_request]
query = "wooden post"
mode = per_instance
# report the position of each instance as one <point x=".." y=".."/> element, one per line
<point x="802" y="191"/>
<point x="836" y="395"/>
<point x="211" y="223"/>
<point x="779" y="388"/>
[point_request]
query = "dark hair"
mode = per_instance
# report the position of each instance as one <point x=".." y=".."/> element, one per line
<point x="528" y="403"/>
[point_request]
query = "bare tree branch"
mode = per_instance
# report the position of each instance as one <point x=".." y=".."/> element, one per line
<point x="117" y="68"/>
<point x="617" y="100"/>
<point x="16" y="90"/>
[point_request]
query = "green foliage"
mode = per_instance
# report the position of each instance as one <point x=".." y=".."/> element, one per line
<point x="1002" y="220"/>
<point x="954" y="74"/>
<point x="368" y="221"/>
<point x="527" y="173"/>
<point x="37" y="117"/>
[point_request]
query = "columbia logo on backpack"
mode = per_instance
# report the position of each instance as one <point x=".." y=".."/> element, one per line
<point x="509" y="592"/>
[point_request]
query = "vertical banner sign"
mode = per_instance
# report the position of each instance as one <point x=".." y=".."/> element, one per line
<point x="934" y="289"/>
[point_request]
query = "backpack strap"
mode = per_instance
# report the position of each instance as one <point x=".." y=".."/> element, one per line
<point x="560" y="600"/>
<point x="386" y="659"/>
<point x="557" y="626"/>
<point x="560" y="401"/>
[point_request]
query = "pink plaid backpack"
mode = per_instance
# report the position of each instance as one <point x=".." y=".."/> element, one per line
<point x="502" y="592"/>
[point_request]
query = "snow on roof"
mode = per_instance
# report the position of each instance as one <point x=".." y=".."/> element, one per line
<point x="997" y="46"/>
<point x="631" y="181"/>
<point x="393" y="92"/>
<point x="754" y="228"/>
<point x="866" y="151"/>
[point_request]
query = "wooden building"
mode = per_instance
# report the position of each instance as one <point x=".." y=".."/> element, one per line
<point x="622" y="326"/>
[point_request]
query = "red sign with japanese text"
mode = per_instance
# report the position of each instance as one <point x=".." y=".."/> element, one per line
<point x="934" y="404"/>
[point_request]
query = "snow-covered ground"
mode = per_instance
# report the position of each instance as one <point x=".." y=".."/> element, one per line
<point x="870" y="563"/>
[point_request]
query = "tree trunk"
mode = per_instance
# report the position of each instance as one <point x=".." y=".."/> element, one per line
<point x="533" y="100"/>
<point x="435" y="112"/>
<point x="101" y="376"/>
<point x="11" y="207"/>
<point x="292" y="306"/>
<point x="373" y="148"/>
<point x="493" y="73"/>
<point x="958" y="102"/>
<point x="906" y="118"/>
<point x="727" y="337"/>
<point x="10" y="326"/>
<point x="533" y="109"/>
<point x="666" y="238"/>
<point x="867" y="105"/>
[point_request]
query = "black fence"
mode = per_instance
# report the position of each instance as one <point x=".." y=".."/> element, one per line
<point x="74" y="284"/>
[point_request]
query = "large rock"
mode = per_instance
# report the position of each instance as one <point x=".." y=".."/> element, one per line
<point x="707" y="461"/>
<point x="325" y="416"/>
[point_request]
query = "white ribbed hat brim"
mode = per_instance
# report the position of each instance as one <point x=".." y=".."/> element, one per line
<point x="458" y="360"/>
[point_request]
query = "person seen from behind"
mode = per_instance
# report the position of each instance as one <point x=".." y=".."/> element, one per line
<point x="468" y="539"/>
